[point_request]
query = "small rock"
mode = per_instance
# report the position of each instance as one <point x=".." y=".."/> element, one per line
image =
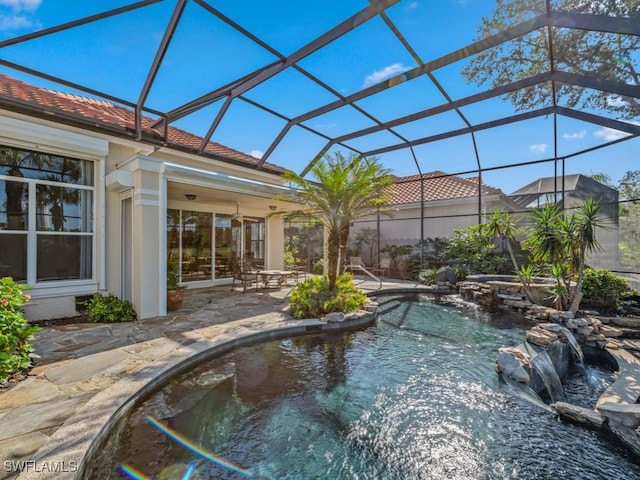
<point x="627" y="414"/>
<point x="551" y="327"/>
<point x="578" y="414"/>
<point x="596" y="338"/>
<point x="580" y="322"/>
<point x="541" y="337"/>
<point x="509" y="364"/>
<point x="334" y="317"/>
<point x="612" y="345"/>
<point x="446" y="276"/>
<point x="586" y="331"/>
<point x="629" y="322"/>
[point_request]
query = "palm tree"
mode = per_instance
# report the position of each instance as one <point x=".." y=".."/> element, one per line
<point x="564" y="242"/>
<point x="345" y="188"/>
<point x="586" y="220"/>
<point x="501" y="226"/>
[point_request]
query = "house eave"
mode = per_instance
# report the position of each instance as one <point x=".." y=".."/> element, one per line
<point x="93" y="125"/>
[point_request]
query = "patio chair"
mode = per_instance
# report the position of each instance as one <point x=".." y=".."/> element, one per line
<point x="243" y="274"/>
<point x="383" y="267"/>
<point x="356" y="262"/>
<point x="355" y="265"/>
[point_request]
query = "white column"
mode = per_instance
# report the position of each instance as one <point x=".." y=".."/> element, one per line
<point x="275" y="242"/>
<point x="148" y="225"/>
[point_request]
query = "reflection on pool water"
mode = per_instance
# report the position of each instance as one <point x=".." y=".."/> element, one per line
<point x="415" y="396"/>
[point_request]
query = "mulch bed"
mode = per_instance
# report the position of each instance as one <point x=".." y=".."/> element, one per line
<point x="53" y="322"/>
<point x="13" y="380"/>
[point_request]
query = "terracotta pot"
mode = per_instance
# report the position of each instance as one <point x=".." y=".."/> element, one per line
<point x="175" y="298"/>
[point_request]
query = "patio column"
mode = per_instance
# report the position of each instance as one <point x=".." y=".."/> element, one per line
<point x="275" y="242"/>
<point x="148" y="237"/>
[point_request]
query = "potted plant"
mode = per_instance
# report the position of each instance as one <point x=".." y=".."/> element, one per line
<point x="175" y="292"/>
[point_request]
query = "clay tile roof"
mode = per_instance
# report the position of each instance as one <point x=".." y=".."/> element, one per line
<point x="437" y="186"/>
<point x="99" y="112"/>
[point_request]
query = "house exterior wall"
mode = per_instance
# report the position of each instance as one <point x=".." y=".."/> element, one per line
<point x="57" y="299"/>
<point x="441" y="218"/>
<point x="128" y="175"/>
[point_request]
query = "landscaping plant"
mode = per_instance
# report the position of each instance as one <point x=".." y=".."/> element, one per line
<point x="563" y="241"/>
<point x="604" y="290"/>
<point x="314" y="298"/>
<point x="109" y="309"/>
<point x="343" y="189"/>
<point x="16" y="351"/>
<point x="471" y="249"/>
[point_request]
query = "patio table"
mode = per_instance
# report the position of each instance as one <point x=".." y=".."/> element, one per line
<point x="279" y="275"/>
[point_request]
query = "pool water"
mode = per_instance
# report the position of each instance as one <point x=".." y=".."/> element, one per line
<point x="414" y="397"/>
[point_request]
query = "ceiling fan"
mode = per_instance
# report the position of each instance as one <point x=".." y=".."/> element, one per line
<point x="238" y="216"/>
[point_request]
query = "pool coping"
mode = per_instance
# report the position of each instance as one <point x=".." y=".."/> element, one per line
<point x="64" y="453"/>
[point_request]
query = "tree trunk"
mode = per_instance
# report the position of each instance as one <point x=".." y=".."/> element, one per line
<point x="333" y="251"/>
<point x="577" y="295"/>
<point x="525" y="286"/>
<point x="344" y="238"/>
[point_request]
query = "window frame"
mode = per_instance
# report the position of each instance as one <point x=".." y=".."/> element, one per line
<point x="32" y="232"/>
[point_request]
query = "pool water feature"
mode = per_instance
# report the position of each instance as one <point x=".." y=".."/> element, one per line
<point x="415" y="396"/>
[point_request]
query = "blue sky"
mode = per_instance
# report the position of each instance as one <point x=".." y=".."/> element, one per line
<point x="114" y="56"/>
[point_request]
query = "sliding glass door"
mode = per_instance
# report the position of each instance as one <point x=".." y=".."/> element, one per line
<point x="191" y="235"/>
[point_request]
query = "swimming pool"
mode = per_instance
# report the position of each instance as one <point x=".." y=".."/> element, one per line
<point x="415" y="396"/>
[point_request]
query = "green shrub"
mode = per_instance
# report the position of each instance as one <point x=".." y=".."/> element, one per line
<point x="318" y="267"/>
<point x="109" y="309"/>
<point x="16" y="351"/>
<point x="428" y="276"/>
<point x="602" y="289"/>
<point x="475" y="252"/>
<point x="313" y="298"/>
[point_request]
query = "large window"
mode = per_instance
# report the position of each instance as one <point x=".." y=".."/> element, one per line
<point x="46" y="216"/>
<point x="189" y="239"/>
<point x="190" y="236"/>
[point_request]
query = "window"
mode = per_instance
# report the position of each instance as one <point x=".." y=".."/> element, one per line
<point x="189" y="238"/>
<point x="254" y="233"/>
<point x="46" y="216"/>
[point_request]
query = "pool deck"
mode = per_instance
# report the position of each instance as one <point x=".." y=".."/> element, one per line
<point x="85" y="372"/>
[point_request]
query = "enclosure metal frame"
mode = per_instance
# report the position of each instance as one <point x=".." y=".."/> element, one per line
<point x="236" y="89"/>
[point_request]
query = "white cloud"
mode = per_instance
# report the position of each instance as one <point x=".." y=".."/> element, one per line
<point x="14" y="22"/>
<point x="413" y="5"/>
<point x="21" y="5"/>
<point x="614" y="101"/>
<point x="609" y="134"/>
<point x="575" y="135"/>
<point x="538" y="147"/>
<point x="384" y="73"/>
<point x="256" y="153"/>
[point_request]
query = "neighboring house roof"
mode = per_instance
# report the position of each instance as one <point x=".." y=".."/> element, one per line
<point x="107" y="117"/>
<point x="548" y="185"/>
<point x="543" y="190"/>
<point x="437" y="186"/>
